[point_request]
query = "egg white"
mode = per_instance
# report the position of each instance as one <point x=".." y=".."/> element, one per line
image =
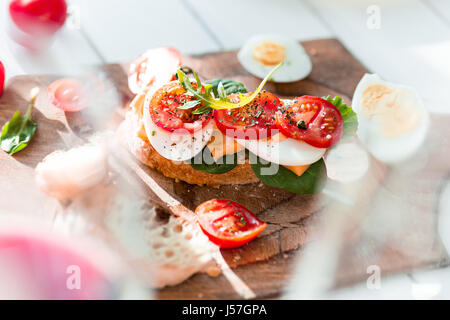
<point x="388" y="149"/>
<point x="176" y="146"/>
<point x="296" y="66"/>
<point x="288" y="152"/>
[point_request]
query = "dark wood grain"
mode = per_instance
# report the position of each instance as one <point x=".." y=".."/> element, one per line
<point x="265" y="263"/>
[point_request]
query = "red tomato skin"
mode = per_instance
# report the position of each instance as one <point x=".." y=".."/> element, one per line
<point x="232" y="126"/>
<point x="168" y="121"/>
<point x="2" y="78"/>
<point x="229" y="244"/>
<point x="223" y="241"/>
<point x="314" y="123"/>
<point x="38" y="17"/>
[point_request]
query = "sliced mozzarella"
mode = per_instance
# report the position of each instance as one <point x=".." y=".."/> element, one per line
<point x="284" y="151"/>
<point x="179" y="145"/>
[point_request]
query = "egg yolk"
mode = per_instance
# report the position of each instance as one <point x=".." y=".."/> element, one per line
<point x="269" y="53"/>
<point x="394" y="110"/>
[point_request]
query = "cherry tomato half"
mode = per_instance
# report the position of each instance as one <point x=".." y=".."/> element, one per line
<point x="311" y="119"/>
<point x="67" y="94"/>
<point x="38" y="17"/>
<point x="227" y="223"/>
<point x="255" y="120"/>
<point x="153" y="69"/>
<point x="166" y="114"/>
<point x="2" y="77"/>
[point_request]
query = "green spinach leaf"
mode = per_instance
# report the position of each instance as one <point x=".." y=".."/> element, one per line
<point x="18" y="132"/>
<point x="311" y="181"/>
<point x="348" y="115"/>
<point x="230" y="86"/>
<point x="204" y="161"/>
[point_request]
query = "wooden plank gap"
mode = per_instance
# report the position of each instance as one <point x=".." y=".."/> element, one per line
<point x="431" y="6"/>
<point x="319" y="17"/>
<point x="202" y="23"/>
<point x="92" y="45"/>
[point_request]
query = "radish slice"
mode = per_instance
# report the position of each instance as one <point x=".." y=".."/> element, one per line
<point x="153" y="69"/>
<point x="67" y="94"/>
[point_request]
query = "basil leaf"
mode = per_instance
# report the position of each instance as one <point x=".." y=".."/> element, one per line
<point x="348" y="115"/>
<point x="18" y="132"/>
<point x="204" y="161"/>
<point x="311" y="181"/>
<point x="230" y="86"/>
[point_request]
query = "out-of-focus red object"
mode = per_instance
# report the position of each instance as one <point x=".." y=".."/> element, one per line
<point x="153" y="69"/>
<point x="67" y="94"/>
<point x="33" y="267"/>
<point x="38" y="17"/>
<point x="2" y="78"/>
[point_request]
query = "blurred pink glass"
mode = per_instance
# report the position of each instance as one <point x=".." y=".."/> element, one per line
<point x="39" y="267"/>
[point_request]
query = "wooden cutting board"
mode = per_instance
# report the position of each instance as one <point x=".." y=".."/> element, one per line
<point x="265" y="264"/>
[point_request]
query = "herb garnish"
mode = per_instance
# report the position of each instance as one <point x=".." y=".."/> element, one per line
<point x="205" y="95"/>
<point x="18" y="132"/>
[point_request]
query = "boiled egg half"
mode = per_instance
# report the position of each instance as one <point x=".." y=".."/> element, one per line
<point x="262" y="52"/>
<point x="392" y="120"/>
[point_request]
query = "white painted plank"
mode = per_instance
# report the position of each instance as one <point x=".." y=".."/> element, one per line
<point x="442" y="6"/>
<point x="68" y="52"/>
<point x="122" y="30"/>
<point x="432" y="284"/>
<point x="411" y="46"/>
<point x="234" y="21"/>
<point x="391" y="288"/>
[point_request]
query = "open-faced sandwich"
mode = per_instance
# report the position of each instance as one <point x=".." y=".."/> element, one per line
<point x="216" y="132"/>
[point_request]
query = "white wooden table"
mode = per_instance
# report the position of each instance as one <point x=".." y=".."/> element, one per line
<point x="409" y="43"/>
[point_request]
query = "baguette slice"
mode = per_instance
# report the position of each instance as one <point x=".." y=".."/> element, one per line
<point x="131" y="131"/>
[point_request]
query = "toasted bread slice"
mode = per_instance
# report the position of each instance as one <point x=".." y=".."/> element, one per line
<point x="131" y="131"/>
